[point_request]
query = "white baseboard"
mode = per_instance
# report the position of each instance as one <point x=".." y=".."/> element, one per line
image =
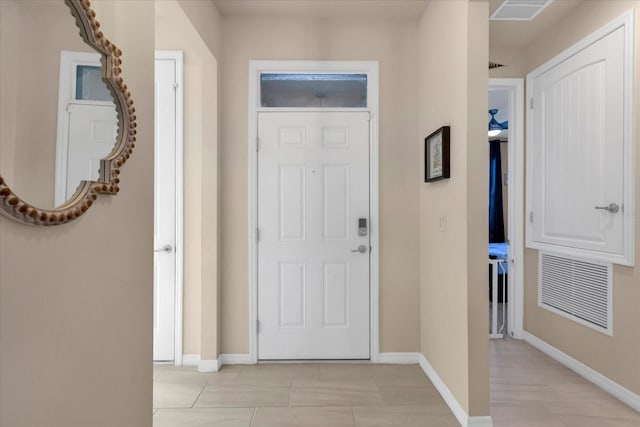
<point x="399" y="358"/>
<point x="479" y="422"/>
<point x="208" y="365"/>
<point x="458" y="411"/>
<point x="235" y="359"/>
<point x="190" y="359"/>
<point x="608" y="385"/>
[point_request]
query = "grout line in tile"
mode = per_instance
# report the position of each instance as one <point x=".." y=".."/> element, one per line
<point x="199" y="394"/>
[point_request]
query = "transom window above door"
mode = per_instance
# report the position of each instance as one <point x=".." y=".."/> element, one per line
<point x="89" y="85"/>
<point x="318" y="90"/>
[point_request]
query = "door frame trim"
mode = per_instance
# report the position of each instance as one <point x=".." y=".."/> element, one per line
<point x="177" y="56"/>
<point x="516" y="192"/>
<point x="370" y="68"/>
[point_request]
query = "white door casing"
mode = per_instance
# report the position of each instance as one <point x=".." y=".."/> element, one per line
<point x="580" y="155"/>
<point x="167" y="316"/>
<point x="313" y="186"/>
<point x="371" y="69"/>
<point x="516" y="191"/>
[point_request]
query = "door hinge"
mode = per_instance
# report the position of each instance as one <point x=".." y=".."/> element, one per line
<point x="257" y="234"/>
<point x="531" y="216"/>
<point x="175" y="86"/>
<point x="257" y="326"/>
<point x="531" y="103"/>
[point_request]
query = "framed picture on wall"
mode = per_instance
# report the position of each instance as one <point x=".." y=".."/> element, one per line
<point x="436" y="155"/>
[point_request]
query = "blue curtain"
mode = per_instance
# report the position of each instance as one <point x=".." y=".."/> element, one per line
<point x="496" y="219"/>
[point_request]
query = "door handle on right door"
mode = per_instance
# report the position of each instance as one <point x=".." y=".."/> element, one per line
<point x="167" y="249"/>
<point x="611" y="208"/>
<point x="362" y="249"/>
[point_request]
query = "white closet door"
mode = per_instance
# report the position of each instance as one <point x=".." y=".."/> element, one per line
<point x="164" y="231"/>
<point x="313" y="283"/>
<point x="576" y="145"/>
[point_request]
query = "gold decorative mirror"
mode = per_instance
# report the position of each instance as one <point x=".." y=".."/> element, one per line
<point x="67" y="120"/>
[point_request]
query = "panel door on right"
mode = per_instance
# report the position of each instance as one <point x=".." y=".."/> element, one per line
<point x="576" y="144"/>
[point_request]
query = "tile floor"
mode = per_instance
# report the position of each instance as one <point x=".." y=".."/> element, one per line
<point x="530" y="389"/>
<point x="283" y="395"/>
<point x="527" y="389"/>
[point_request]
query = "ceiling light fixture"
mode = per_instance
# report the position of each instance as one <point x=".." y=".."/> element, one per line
<point x="494" y="126"/>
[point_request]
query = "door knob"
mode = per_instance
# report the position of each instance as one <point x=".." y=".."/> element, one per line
<point x="166" y="249"/>
<point x="362" y="249"/>
<point x="611" y="208"/>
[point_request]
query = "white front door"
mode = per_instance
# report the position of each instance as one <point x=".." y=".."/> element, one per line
<point x="164" y="278"/>
<point x="92" y="134"/>
<point x="313" y="266"/>
<point x="87" y="123"/>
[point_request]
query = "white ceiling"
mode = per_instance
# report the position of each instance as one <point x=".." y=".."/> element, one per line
<point x="519" y="34"/>
<point x="398" y="9"/>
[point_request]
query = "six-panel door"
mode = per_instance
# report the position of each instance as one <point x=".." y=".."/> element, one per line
<point x="313" y="283"/>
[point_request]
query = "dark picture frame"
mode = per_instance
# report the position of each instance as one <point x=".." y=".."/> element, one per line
<point x="437" y="156"/>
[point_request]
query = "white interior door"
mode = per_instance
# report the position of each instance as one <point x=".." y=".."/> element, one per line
<point x="577" y="149"/>
<point x="313" y="283"/>
<point x="92" y="133"/>
<point x="87" y="122"/>
<point x="164" y="272"/>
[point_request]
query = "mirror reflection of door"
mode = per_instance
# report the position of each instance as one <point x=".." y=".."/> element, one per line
<point x="87" y="122"/>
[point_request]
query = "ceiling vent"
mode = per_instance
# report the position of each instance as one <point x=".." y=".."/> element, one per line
<point x="519" y="10"/>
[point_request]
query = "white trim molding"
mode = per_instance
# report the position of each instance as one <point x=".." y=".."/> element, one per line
<point x="371" y="69"/>
<point x="235" y="359"/>
<point x="215" y="365"/>
<point x="399" y="358"/>
<point x="190" y="359"/>
<point x="516" y="190"/>
<point x="613" y="388"/>
<point x="458" y="411"/>
<point x="209" y="365"/>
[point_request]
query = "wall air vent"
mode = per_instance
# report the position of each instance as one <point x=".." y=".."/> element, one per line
<point x="519" y="10"/>
<point x="576" y="289"/>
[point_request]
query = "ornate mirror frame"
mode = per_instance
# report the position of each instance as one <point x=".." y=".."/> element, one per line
<point x="12" y="206"/>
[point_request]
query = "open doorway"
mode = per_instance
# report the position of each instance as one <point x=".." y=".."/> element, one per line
<point x="506" y="207"/>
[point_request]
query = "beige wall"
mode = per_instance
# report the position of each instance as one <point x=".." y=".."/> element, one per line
<point x="394" y="44"/>
<point x="616" y="357"/>
<point x="33" y="33"/>
<point x="76" y="299"/>
<point x="453" y="91"/>
<point x="175" y="31"/>
<point x="514" y="62"/>
<point x="206" y="19"/>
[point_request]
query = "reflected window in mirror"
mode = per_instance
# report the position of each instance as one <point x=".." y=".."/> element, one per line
<point x="89" y="84"/>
